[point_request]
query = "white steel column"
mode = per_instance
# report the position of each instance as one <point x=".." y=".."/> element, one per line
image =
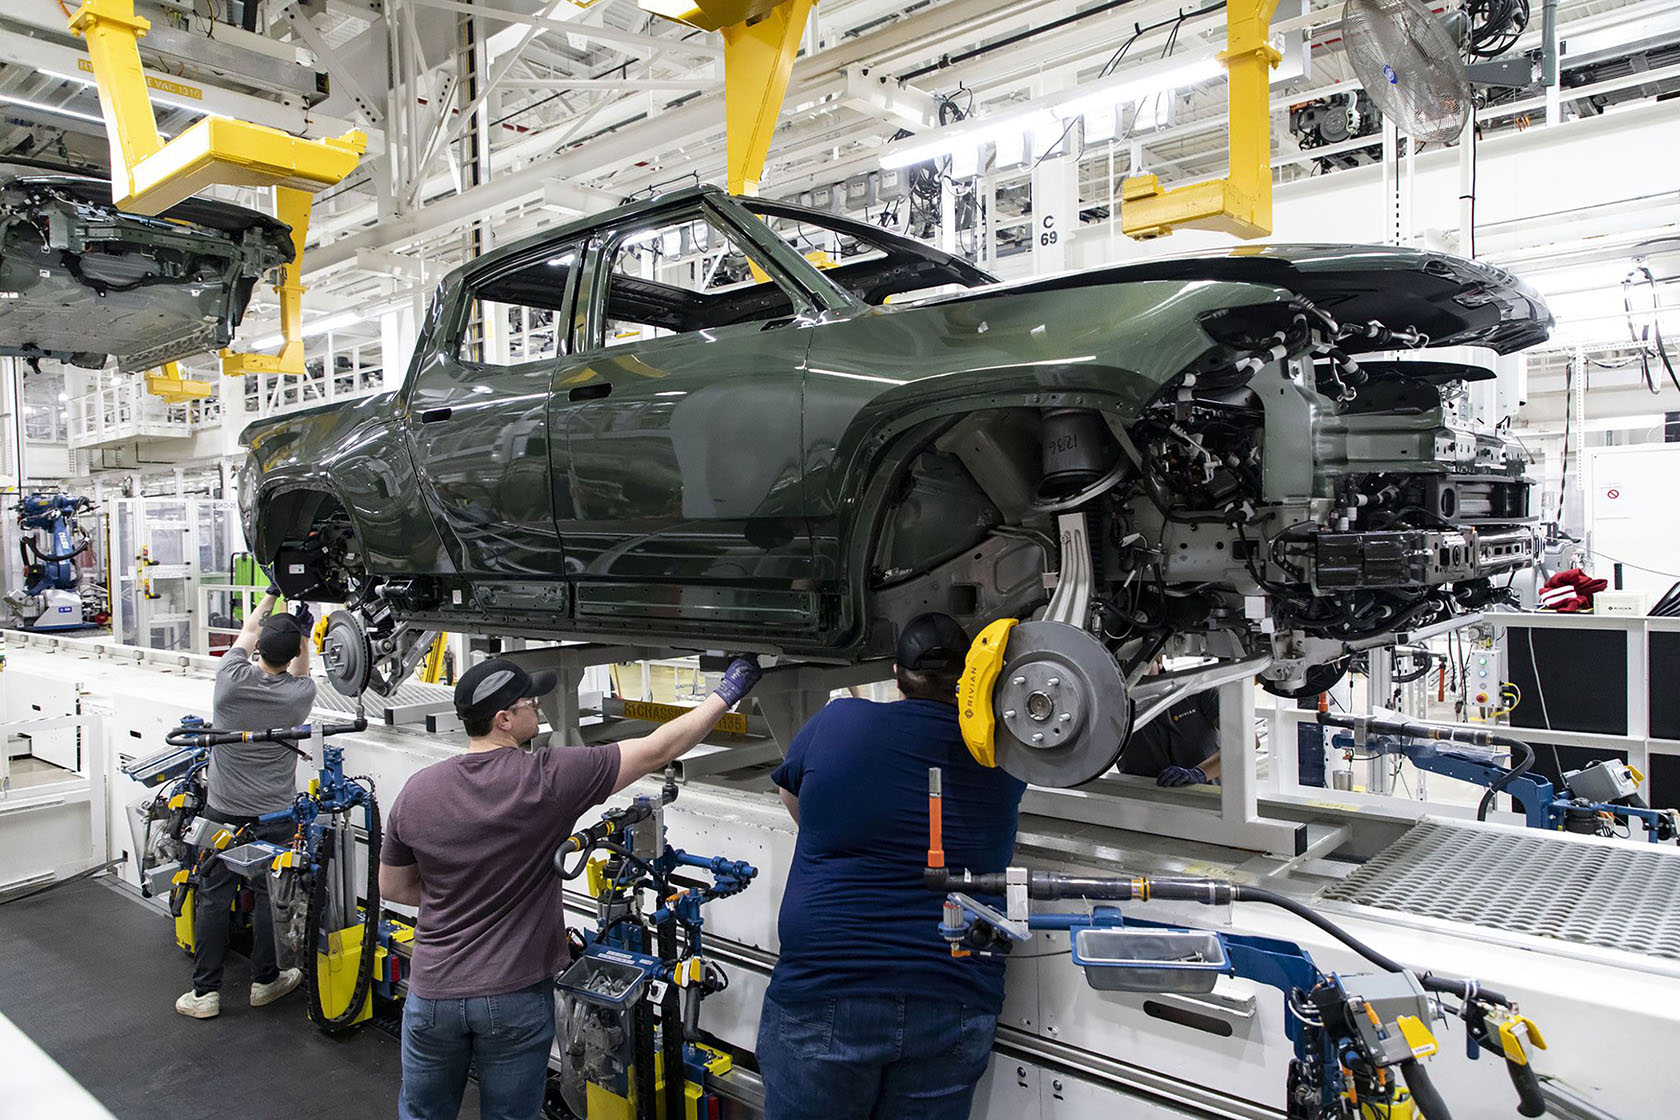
<point x="1055" y="202"/>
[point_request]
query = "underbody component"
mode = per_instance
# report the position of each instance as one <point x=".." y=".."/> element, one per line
<point x="1317" y="679"/>
<point x="149" y="176"/>
<point x="1062" y="705"/>
<point x="81" y="282"/>
<point x="362" y="651"/>
<point x="347" y="654"/>
<point x="1412" y="558"/>
<point x="1077" y="452"/>
<point x="1046" y="700"/>
<point x="974" y="691"/>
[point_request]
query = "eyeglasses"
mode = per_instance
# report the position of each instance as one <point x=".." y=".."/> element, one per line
<point x="519" y="705"/>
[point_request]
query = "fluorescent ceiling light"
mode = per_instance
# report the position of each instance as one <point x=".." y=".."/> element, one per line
<point x="1099" y="125"/>
<point x="55" y="110"/>
<point x="1144" y="81"/>
<point x="159" y="97"/>
<point x="969" y="134"/>
<point x="79" y="79"/>
<point x="313" y="327"/>
<point x="333" y="322"/>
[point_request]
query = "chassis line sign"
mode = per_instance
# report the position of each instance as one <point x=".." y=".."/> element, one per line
<point x="732" y="722"/>
<point x="164" y="85"/>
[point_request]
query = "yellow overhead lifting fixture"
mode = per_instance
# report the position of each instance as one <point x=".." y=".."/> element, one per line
<point x="292" y="207"/>
<point x="149" y="176"/>
<point x="1240" y="203"/>
<point x="760" y="40"/>
<point x="167" y="382"/>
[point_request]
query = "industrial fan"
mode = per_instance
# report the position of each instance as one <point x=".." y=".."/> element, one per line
<point x="1410" y="67"/>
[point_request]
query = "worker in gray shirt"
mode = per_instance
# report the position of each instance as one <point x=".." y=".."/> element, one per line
<point x="248" y="780"/>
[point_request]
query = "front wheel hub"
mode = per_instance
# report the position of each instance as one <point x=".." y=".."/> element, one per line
<point x="346" y="654"/>
<point x="1062" y="708"/>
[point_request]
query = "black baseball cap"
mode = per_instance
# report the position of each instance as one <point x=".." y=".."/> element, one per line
<point x="494" y="686"/>
<point x="932" y="641"/>
<point x="280" y="639"/>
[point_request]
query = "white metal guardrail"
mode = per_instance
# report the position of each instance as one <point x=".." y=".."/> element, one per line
<point x="126" y="411"/>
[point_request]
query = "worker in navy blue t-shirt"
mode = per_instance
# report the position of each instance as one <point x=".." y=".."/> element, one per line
<point x="868" y="1015"/>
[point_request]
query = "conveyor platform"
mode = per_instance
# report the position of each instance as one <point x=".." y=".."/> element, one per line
<point x="1584" y="889"/>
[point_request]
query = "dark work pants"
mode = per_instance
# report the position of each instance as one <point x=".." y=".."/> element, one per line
<point x="212" y="913"/>
<point x="872" y="1057"/>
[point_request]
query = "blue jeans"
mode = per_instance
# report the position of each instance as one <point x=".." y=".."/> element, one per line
<point x="871" y="1058"/>
<point x="508" y="1035"/>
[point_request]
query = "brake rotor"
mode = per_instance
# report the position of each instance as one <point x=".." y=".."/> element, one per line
<point x="1061" y="704"/>
<point x="1317" y="679"/>
<point x="346" y="654"/>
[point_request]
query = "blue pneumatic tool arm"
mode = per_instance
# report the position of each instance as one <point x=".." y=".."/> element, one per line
<point x="1350" y="1032"/>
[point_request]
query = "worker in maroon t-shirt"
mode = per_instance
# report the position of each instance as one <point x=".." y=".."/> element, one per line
<point x="470" y="840"/>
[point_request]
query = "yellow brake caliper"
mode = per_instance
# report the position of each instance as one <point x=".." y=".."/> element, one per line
<point x="974" y="691"/>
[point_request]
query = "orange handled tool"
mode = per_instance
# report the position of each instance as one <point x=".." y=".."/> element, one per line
<point x="936" y="821"/>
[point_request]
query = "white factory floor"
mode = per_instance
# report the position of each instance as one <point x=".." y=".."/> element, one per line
<point x="35" y="1085"/>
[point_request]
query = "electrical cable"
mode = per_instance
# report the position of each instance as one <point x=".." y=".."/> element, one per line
<point x="1650" y="336"/>
<point x="1630" y="564"/>
<point x="1540" y="691"/>
<point x="97" y="869"/>
<point x="629" y="857"/>
<point x="1424" y="1094"/>
<point x="1475" y="142"/>
<point x="316" y="915"/>
<point x="1011" y="40"/>
<point x="1534" y="667"/>
<point x="1498" y="784"/>
<point x="1563" y="483"/>
<point x="1464" y="989"/>
<point x="1495" y="26"/>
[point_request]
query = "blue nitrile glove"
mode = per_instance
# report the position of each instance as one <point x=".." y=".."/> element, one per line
<point x="1181" y="776"/>
<point x="738" y="679"/>
<point x="305" y="616"/>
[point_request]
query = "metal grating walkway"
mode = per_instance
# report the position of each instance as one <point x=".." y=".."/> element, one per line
<point x="1615" y="895"/>
<point x="409" y="692"/>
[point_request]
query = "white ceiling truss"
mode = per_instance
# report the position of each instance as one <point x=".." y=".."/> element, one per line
<point x="490" y="120"/>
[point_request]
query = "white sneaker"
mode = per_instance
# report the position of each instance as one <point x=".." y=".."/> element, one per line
<point x="195" y="1006"/>
<point x="267" y="993"/>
